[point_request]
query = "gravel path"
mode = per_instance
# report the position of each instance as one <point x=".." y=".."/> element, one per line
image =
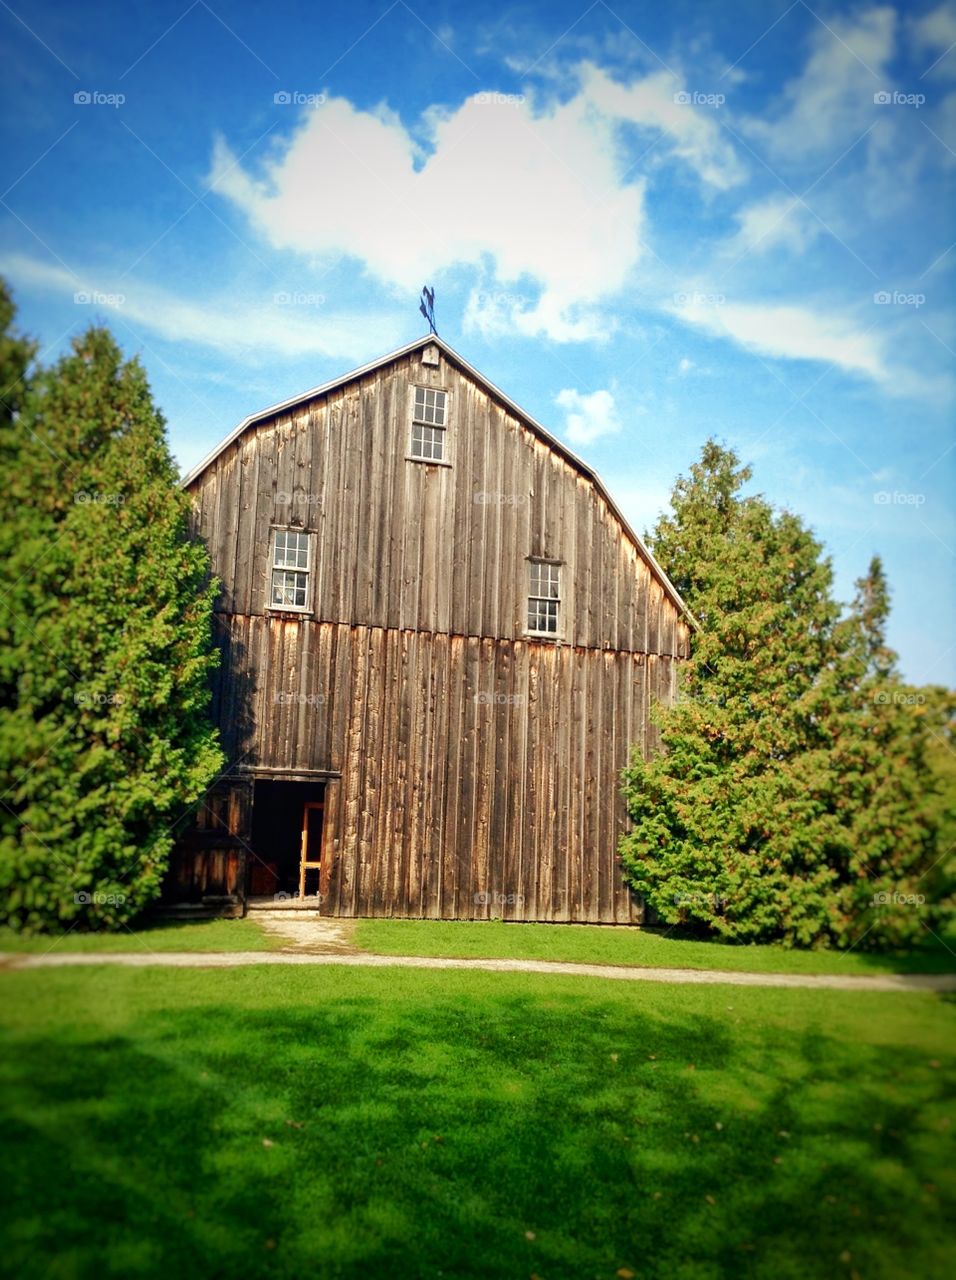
<point x="620" y="973"/>
<point x="307" y="932"/>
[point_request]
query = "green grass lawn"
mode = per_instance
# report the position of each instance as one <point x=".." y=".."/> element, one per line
<point x="579" y="944"/>
<point x="164" y="935"/>
<point x="602" y="944"/>
<point x="397" y="1123"/>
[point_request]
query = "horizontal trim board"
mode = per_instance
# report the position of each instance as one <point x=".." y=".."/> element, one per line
<point x="550" y="642"/>
<point x="279" y="772"/>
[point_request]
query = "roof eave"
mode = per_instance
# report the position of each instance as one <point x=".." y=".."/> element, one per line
<point x="291" y="402"/>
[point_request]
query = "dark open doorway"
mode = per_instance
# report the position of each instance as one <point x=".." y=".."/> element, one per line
<point x="286" y="837"/>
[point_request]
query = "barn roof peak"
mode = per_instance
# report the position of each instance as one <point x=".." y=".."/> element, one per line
<point x="552" y="441"/>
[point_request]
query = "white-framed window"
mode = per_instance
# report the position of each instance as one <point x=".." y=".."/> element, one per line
<point x="544" y="597"/>
<point x="291" y="567"/>
<point x="429" y="423"/>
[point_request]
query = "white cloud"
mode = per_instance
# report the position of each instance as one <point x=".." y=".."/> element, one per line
<point x="693" y="133"/>
<point x="588" y="416"/>
<point x="686" y="366"/>
<point x="225" y="324"/>
<point x="496" y="313"/>
<point x="944" y="126"/>
<point x="934" y="34"/>
<point x="831" y="102"/>
<point x="776" y="222"/>
<point x="536" y="198"/>
<point x="791" y="332"/>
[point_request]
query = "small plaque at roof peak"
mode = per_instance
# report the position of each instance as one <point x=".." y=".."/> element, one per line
<point x="430" y="355"/>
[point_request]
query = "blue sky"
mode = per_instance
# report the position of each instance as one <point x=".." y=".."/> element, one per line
<point x="648" y="224"/>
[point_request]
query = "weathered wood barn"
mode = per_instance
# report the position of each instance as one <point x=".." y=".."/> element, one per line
<point x="440" y="640"/>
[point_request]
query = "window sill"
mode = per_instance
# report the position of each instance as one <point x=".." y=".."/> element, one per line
<point x="274" y="611"/>
<point x="428" y="462"/>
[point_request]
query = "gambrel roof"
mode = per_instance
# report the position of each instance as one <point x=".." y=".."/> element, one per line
<point x="535" y="427"/>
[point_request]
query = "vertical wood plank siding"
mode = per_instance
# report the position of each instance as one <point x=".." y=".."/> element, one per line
<point x="477" y="770"/>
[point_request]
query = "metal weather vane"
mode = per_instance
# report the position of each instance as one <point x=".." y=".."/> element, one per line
<point x="427" y="308"/>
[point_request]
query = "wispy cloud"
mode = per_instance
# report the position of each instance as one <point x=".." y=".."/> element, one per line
<point x="789" y="332"/>
<point x="830" y="102"/>
<point x="934" y="35"/>
<point x="287" y="324"/>
<point x="777" y="221"/>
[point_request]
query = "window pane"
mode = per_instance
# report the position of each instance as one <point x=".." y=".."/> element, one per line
<point x="545" y="581"/>
<point x="430" y="406"/>
<point x="427" y="442"/>
<point x="543" y="616"/>
<point x="289" y="589"/>
<point x="291" y="550"/>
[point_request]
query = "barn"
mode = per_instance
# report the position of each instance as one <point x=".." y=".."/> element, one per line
<point x="440" y="640"/>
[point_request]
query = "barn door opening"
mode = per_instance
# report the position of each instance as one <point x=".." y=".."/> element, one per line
<point x="286" y="833"/>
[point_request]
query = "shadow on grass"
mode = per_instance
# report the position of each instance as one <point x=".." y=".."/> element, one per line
<point x="487" y="1137"/>
<point x="935" y="956"/>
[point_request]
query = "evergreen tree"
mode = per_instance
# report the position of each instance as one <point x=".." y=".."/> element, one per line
<point x="106" y="741"/>
<point x="884" y="789"/>
<point x="935" y="707"/>
<point x="16" y="356"/>
<point x="767" y="813"/>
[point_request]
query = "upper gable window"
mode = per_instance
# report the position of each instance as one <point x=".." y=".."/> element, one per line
<point x="429" y="421"/>
<point x="544" y="597"/>
<point x="291" y="567"/>
<point x="430" y="406"/>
